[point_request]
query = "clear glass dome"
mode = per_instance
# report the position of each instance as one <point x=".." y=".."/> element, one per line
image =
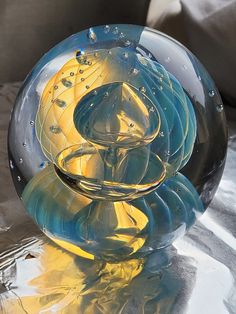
<point x="117" y="142"/>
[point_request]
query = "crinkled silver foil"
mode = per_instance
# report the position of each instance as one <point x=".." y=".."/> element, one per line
<point x="196" y="275"/>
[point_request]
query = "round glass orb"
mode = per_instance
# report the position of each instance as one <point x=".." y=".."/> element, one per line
<point x="117" y="142"/>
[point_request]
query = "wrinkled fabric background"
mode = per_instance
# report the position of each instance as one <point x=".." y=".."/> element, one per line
<point x="207" y="28"/>
<point x="196" y="275"/>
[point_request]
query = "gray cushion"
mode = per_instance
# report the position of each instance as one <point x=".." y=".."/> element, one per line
<point x="208" y="28"/>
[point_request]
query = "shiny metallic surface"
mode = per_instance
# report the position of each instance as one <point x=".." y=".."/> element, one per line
<point x="196" y="275"/>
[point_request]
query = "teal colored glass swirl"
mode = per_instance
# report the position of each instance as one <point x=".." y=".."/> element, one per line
<point x="94" y="226"/>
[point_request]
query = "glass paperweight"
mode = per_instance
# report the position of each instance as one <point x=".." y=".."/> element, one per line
<point x="117" y="142"/>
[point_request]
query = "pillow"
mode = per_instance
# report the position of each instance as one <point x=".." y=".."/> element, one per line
<point x="207" y="28"/>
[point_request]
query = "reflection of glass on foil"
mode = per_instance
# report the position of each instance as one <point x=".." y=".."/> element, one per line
<point x="38" y="277"/>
